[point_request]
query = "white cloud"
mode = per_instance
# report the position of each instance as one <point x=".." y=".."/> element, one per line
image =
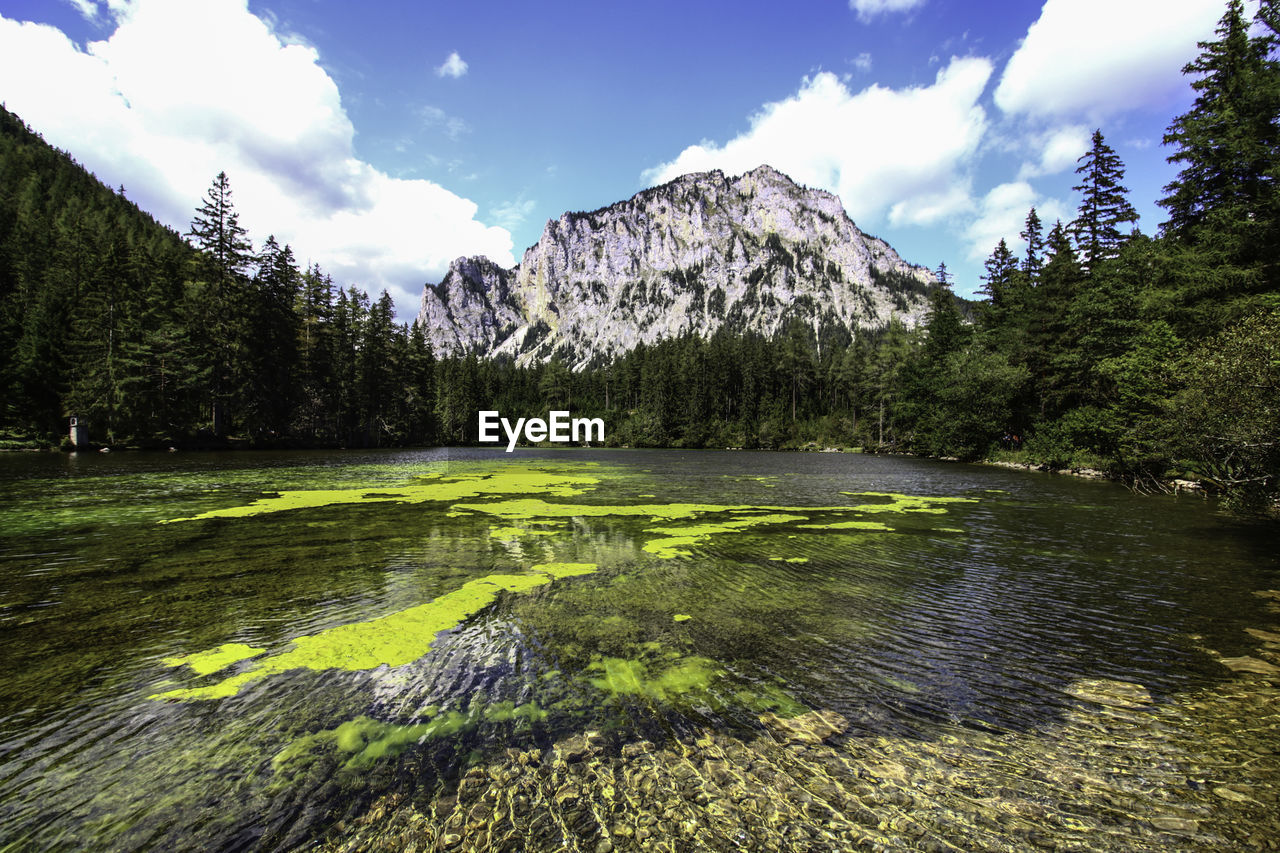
<point x="1060" y="148"/>
<point x="454" y="67"/>
<point x="88" y="9"/>
<point x="875" y="149"/>
<point x="868" y="9"/>
<point x="931" y="208"/>
<point x="1002" y="214"/>
<point x="1098" y="57"/>
<point x="862" y="62"/>
<point x="144" y="109"/>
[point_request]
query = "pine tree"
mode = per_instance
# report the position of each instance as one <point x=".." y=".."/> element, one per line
<point x="272" y="347"/>
<point x="376" y="371"/>
<point x="1051" y="350"/>
<point x="1033" y="234"/>
<point x="944" y="277"/>
<point x="216" y="231"/>
<point x="1103" y="207"/>
<point x="944" y="331"/>
<point x="1224" y="197"/>
<point x="998" y="280"/>
<point x="222" y="310"/>
<point x="798" y="360"/>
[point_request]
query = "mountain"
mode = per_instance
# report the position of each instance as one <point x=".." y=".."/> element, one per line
<point x="700" y="252"/>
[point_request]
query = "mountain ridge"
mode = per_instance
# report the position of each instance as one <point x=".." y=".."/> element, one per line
<point x="697" y="253"/>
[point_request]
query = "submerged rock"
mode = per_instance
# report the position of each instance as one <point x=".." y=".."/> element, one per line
<point x="1250" y="664"/>
<point x="814" y="727"/>
<point x="1105" y="691"/>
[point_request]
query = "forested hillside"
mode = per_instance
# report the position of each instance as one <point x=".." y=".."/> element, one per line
<point x="1097" y="345"/>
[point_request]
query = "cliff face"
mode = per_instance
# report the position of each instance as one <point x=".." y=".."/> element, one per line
<point x="701" y="252"/>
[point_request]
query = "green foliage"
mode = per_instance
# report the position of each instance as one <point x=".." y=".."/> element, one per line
<point x="1228" y="412"/>
<point x="1103" y="205"/>
<point x="1225" y="201"/>
<point x="1135" y="354"/>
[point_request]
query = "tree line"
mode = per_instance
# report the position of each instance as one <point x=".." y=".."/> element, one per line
<point x="1096" y="345"/>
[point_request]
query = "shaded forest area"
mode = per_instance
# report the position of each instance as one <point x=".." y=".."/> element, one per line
<point x="1098" y="346"/>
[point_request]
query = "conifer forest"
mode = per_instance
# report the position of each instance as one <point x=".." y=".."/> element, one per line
<point x="1147" y="355"/>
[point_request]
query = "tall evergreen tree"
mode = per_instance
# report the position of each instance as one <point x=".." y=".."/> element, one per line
<point x="999" y="268"/>
<point x="1050" y="337"/>
<point x="1103" y="206"/>
<point x="272" y="347"/>
<point x="216" y="230"/>
<point x="221" y="307"/>
<point x="1224" y="199"/>
<point x="1033" y="235"/>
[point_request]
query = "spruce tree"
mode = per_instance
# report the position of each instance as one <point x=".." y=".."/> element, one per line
<point x="1103" y="207"/>
<point x="1033" y="234"/>
<point x="272" y="348"/>
<point x="998" y="279"/>
<point x="1051" y="352"/>
<point x="222" y="309"/>
<point x="216" y="230"/>
<point x="1228" y="144"/>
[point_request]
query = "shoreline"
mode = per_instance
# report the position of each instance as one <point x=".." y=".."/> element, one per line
<point x="1169" y="485"/>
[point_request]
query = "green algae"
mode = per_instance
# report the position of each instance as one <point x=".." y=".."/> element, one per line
<point x="565" y="570"/>
<point x="524" y="509"/>
<point x="628" y="677"/>
<point x="392" y="640"/>
<point x="790" y="559"/>
<point x="433" y="487"/>
<point x="367" y="740"/>
<point x="770" y="698"/>
<point x="675" y="539"/>
<point x="209" y="662"/>
<point x="528" y="509"/>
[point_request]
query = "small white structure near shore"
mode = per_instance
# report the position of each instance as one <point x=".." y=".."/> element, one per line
<point x="79" y="433"/>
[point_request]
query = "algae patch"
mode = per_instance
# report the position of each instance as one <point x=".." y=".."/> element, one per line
<point x="623" y="677"/>
<point x="208" y="662"/>
<point x="367" y="740"/>
<point x="427" y="487"/>
<point x="392" y="640"/>
<point x="674" y="540"/>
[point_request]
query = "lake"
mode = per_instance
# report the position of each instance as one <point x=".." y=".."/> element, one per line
<point x="617" y="650"/>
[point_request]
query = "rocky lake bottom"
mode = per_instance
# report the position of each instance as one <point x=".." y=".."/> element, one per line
<point x="613" y="650"/>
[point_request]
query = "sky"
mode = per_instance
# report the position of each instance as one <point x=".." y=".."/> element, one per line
<point x="382" y="140"/>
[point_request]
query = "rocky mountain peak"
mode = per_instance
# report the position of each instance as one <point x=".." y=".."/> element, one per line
<point x="690" y="256"/>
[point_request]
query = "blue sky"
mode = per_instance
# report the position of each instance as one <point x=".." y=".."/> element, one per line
<point x="384" y="139"/>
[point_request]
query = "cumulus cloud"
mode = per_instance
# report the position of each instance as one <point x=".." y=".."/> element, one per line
<point x="1060" y="148"/>
<point x="88" y="9"/>
<point x="1096" y="58"/>
<point x="1002" y="213"/>
<point x="868" y="9"/>
<point x="453" y="67"/>
<point x="143" y="108"/>
<point x="877" y="149"/>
